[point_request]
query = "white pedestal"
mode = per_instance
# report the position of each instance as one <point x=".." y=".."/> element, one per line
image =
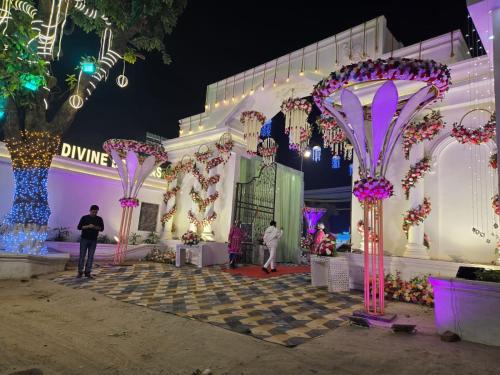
<point x="330" y="271"/>
<point x="414" y="250"/>
<point x="200" y="251"/>
<point x="468" y="308"/>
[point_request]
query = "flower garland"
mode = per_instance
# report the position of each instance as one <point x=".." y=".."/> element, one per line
<point x="204" y="182"/>
<point x="307" y="241"/>
<point x="493" y="161"/>
<point x="161" y="256"/>
<point x="214" y="162"/>
<point x="251" y="115"/>
<point x="201" y="223"/>
<point x="203" y="203"/>
<point x="190" y="238"/>
<point x="417" y="215"/>
<point x="495" y="204"/>
<point x="129" y="202"/>
<point x="327" y="246"/>
<point x="393" y="68"/>
<point x="225" y="149"/>
<point x="203" y="157"/>
<point x="360" y="227"/>
<point x="170" y="214"/>
<point x="170" y="193"/>
<point x="373" y="189"/>
<point x="415" y="173"/>
<point x="418" y="132"/>
<point x="333" y="135"/>
<point x="417" y="290"/>
<point x="296" y="104"/>
<point x="305" y="136"/>
<point x="477" y="136"/>
<point x="268" y="151"/>
<point x="144" y="150"/>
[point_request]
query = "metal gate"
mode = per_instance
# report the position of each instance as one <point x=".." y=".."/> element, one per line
<point x="254" y="207"/>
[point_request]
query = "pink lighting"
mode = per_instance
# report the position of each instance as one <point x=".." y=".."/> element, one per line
<point x="312" y="216"/>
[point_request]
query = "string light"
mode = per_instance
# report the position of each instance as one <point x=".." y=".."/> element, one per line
<point x="26" y="223"/>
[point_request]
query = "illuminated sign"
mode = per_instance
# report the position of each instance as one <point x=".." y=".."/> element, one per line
<point x="95" y="157"/>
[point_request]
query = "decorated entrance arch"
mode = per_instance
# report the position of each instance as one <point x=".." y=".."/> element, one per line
<point x="371" y="127"/>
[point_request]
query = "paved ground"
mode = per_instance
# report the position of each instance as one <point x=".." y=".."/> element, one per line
<point x="53" y="329"/>
<point x="285" y="310"/>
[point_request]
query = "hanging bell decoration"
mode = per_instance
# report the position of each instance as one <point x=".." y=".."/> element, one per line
<point x="268" y="151"/>
<point x="335" y="162"/>
<point x="316" y="154"/>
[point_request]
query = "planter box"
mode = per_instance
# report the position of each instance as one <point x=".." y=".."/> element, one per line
<point x="23" y="266"/>
<point x="469" y="308"/>
<point x="330" y="271"/>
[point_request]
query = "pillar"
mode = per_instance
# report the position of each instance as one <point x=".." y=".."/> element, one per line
<point x="415" y="246"/>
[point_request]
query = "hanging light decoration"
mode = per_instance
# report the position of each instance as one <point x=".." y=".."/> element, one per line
<point x="268" y="151"/>
<point x="88" y="66"/>
<point x="266" y="129"/>
<point x="76" y="101"/>
<point x="122" y="80"/>
<point x="2" y="107"/>
<point x="335" y="162"/>
<point x="252" y="123"/>
<point x="316" y="153"/>
<point x="334" y="137"/>
<point x="296" y="111"/>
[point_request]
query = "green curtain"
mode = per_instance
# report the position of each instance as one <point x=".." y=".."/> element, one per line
<point x="288" y="204"/>
<point x="288" y="211"/>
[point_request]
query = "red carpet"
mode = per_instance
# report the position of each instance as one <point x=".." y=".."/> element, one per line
<point x="256" y="271"/>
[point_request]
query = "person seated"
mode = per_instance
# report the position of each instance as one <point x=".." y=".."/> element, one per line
<point x="318" y="237"/>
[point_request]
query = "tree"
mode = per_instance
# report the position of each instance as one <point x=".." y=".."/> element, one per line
<point x="36" y="109"/>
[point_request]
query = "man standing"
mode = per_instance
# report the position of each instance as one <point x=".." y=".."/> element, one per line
<point x="271" y="238"/>
<point x="90" y="225"/>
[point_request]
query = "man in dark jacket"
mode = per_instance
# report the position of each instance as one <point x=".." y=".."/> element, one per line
<point x="90" y="225"/>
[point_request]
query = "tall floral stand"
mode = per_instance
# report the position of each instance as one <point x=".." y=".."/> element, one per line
<point x="373" y="130"/>
<point x="135" y="161"/>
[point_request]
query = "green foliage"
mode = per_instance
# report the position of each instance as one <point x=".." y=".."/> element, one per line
<point x="136" y="24"/>
<point x="102" y="238"/>
<point x="19" y="60"/>
<point x="61" y="234"/>
<point x="130" y="57"/>
<point x="134" y="238"/>
<point x="152" y="238"/>
<point x="71" y="80"/>
<point x="151" y="19"/>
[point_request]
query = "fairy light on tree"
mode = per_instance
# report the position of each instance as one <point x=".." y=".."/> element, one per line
<point x="31" y="34"/>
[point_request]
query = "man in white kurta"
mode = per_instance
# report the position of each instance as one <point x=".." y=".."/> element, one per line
<point x="271" y="238"/>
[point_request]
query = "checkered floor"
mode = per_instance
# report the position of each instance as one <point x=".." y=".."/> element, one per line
<point x="285" y="310"/>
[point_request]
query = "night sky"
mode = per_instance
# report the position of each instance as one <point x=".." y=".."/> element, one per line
<point x="217" y="39"/>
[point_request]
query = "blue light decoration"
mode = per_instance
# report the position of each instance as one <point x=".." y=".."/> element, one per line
<point x="31" y="81"/>
<point x="3" y="103"/>
<point x="350" y="169"/>
<point x="265" y="131"/>
<point x="335" y="162"/>
<point x="88" y="67"/>
<point x="30" y="213"/>
<point x="316" y="153"/>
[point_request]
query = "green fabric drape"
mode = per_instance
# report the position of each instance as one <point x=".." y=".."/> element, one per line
<point x="288" y="204"/>
<point x="288" y="211"/>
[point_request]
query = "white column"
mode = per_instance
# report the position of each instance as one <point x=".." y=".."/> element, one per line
<point x="207" y="234"/>
<point x="415" y="246"/>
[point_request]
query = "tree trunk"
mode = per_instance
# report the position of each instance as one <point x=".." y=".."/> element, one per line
<point x="24" y="228"/>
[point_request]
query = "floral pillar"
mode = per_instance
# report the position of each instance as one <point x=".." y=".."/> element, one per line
<point x="170" y="202"/>
<point x="415" y="246"/>
<point x="207" y="234"/>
